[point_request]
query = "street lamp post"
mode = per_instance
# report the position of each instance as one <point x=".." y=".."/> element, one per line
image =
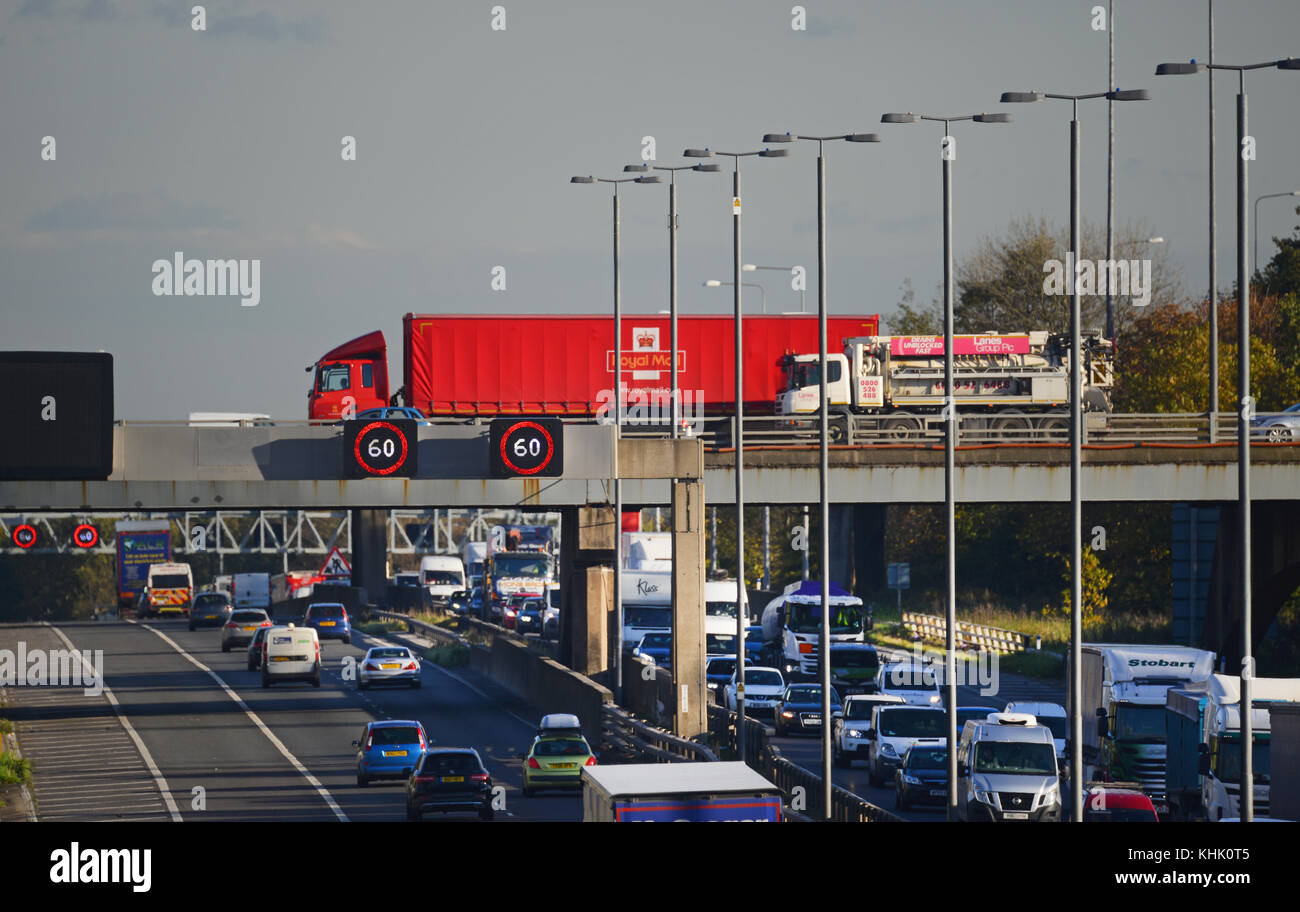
<point x="618" y="419"/>
<point x="740" y="423"/>
<point x="947" y="154"/>
<point x="1256" y="232"/>
<point x="1076" y="430"/>
<point x="673" y="394"/>
<point x="750" y="267"/>
<point x="714" y="283"/>
<point x="1245" y="407"/>
<point x="823" y="472"/>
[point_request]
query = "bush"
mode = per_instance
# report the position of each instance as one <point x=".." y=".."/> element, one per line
<point x="448" y="656"/>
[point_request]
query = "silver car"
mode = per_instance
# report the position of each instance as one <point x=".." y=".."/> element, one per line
<point x="243" y="624"/>
<point x="389" y="665"/>
<point x="1277" y="427"/>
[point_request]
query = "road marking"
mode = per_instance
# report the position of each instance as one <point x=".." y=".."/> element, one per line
<point x="163" y="788"/>
<point x="256" y="720"/>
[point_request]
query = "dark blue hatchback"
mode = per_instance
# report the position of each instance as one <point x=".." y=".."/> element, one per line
<point x="329" y="620"/>
<point x="800" y="709"/>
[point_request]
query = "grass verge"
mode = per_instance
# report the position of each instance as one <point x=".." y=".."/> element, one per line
<point x="448" y="656"/>
<point x="378" y="628"/>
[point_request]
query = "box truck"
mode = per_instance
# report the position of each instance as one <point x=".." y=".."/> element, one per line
<point x="678" y="792"/>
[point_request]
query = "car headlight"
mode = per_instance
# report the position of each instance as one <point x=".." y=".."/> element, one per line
<point x="888" y="751"/>
<point x="911" y="780"/>
<point x="934" y="698"/>
<point x="1052" y="795"/>
<point x="982" y="796"/>
<point x="854" y="733"/>
<point x="787" y="715"/>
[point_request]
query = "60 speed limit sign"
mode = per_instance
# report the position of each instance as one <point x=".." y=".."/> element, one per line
<point x="526" y="447"/>
<point x="380" y="449"/>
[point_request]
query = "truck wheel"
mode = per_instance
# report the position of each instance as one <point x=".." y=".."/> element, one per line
<point x="838" y="432"/>
<point x="902" y="426"/>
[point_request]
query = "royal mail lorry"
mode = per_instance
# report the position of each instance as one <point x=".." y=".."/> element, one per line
<point x="678" y="792"/>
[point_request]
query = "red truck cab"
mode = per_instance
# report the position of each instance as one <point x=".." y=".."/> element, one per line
<point x="355" y="373"/>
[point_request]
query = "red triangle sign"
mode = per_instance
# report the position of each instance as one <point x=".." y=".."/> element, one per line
<point x="335" y="565"/>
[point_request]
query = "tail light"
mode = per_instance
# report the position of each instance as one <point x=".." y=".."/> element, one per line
<point x="591" y="761"/>
<point x="411" y="667"/>
<point x="423" y="745"/>
<point x="371" y="666"/>
<point x="479" y="777"/>
<point x="426" y="778"/>
<point x="231" y="625"/>
<point x="533" y="764"/>
<point x="370" y="740"/>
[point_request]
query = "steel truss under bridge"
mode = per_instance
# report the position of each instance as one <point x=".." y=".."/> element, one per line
<point x="273" y="531"/>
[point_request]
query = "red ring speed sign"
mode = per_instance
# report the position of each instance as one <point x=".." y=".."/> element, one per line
<point x="545" y="457"/>
<point x="85" y="536"/>
<point x="24" y="535"/>
<point x="397" y="459"/>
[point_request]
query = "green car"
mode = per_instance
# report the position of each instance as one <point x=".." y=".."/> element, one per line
<point x="557" y="756"/>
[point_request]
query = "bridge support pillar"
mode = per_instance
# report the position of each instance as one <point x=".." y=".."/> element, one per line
<point x="841" y="541"/>
<point x="587" y="540"/>
<point x="689" y="643"/>
<point x="370" y="553"/>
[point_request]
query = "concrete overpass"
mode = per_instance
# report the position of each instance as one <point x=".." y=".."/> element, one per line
<point x="183" y="468"/>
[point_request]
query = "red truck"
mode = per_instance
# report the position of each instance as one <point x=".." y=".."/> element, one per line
<point x="469" y="365"/>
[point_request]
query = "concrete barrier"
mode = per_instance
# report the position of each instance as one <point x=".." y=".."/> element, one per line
<point x="545" y="682"/>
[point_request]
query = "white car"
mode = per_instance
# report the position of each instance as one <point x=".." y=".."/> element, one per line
<point x="388" y="665"/>
<point x="763" y="689"/>
<point x="918" y="685"/>
<point x="894" y="729"/>
<point x="849" y="740"/>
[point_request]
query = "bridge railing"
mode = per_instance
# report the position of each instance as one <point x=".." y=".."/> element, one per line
<point x="994" y="639"/>
<point x="629" y="734"/>
<point x="802" y="787"/>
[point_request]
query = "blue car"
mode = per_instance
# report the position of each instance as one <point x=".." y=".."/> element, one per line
<point x="800" y="709"/>
<point x="718" y="671"/>
<point x="922" y="776"/>
<point x="395" y="412"/>
<point x="389" y="750"/>
<point x="753" y="644"/>
<point x="656" y="646"/>
<point x="329" y="620"/>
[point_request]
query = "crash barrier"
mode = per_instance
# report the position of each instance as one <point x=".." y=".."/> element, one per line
<point x="969" y="636"/>
<point x="543" y="682"/>
<point x="431" y="631"/>
<point x="648" y="690"/>
<point x="648" y="742"/>
<point x="802" y="787"/>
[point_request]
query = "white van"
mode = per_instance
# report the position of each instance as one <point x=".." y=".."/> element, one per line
<point x="443" y="575"/>
<point x="291" y="653"/>
<point x="1050" y="714"/>
<point x="1006" y="770"/>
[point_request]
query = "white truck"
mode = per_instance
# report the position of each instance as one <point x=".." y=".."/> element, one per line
<point x="252" y="590"/>
<point x="792" y="624"/>
<point x="473" y="556"/>
<point x="677" y="792"/>
<point x="647" y="551"/>
<point x="1123" y="706"/>
<point x="648" y="608"/>
<point x="443" y="575"/>
<point x="1203" y="734"/>
<point x="894" y="385"/>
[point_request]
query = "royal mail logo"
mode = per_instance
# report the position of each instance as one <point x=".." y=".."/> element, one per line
<point x="646" y="361"/>
<point x="647" y="337"/>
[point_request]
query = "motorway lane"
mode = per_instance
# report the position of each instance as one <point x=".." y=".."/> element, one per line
<point x="456" y="708"/>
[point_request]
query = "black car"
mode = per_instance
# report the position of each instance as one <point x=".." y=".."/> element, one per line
<point x="255" y="649"/>
<point x="449" y="779"/>
<point x="854" y="667"/>
<point x="210" y="609"/>
<point x="922" y="778"/>
<point x="529" y="619"/>
<point x="800" y="709"/>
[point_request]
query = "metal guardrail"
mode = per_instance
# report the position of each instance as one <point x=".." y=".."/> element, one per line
<point x="765" y="758"/>
<point x="433" y="631"/>
<point x="632" y="735"/>
<point x="996" y="639"/>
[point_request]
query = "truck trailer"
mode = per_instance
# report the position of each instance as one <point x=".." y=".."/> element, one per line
<point x="1018" y="382"/>
<point x="473" y="366"/>
<point x="1124" y="688"/>
<point x="140" y="545"/>
<point x="678" y="792"/>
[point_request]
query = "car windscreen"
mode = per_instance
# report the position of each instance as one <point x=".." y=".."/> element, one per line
<point x="854" y="658"/>
<point x="450" y="765"/>
<point x="326" y="611"/>
<point x="395" y="734"/>
<point x="859" y="709"/>
<point x="723" y="667"/>
<point x="1139" y="723"/>
<point x="647" y="616"/>
<point x="928" y="759"/>
<point x="531" y="566"/>
<point x="561" y="747"/>
<point x="211" y="601"/>
<point x="804" y="695"/>
<point x="802" y="618"/>
<point x="719" y="644"/>
<point x="443" y="578"/>
<point x="763" y="678"/>
<point x="169" y="581"/>
<point x="1018" y="758"/>
<point x="248" y="617"/>
<point x="1119" y="815"/>
<point x="389" y="652"/>
<point x="1058" y="725"/>
<point x="657" y="640"/>
<point x="913" y="723"/>
<point x="720" y="609"/>
<point x="904" y="678"/>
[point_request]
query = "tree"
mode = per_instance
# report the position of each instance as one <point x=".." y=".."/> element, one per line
<point x="1096" y="579"/>
<point x="1282" y="274"/>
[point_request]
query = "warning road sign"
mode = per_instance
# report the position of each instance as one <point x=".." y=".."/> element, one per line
<point x="335" y="566"/>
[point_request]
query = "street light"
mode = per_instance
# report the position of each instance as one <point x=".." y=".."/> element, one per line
<point x="714" y="283"/>
<point x="672" y="267"/>
<point x="618" y="418"/>
<point x="750" y="267"/>
<point x="739" y="435"/>
<point x="823" y="473"/>
<point x="947" y="152"/>
<point x="1245" y="406"/>
<point x="1076" y="428"/>
<point x="1256" y="232"/>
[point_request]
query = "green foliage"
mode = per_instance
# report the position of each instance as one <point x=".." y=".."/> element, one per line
<point x="1282" y="274"/>
<point x="1096" y="579"/>
<point x="14" y="771"/>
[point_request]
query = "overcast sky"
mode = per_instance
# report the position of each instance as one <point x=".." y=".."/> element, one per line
<point x="225" y="143"/>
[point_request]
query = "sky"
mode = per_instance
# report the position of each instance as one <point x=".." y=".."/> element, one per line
<point x="227" y="142"/>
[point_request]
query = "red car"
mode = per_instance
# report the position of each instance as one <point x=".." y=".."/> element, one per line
<point x="1108" y="804"/>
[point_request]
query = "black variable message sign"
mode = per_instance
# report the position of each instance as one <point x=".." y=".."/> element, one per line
<point x="526" y="446"/>
<point x="58" y="416"/>
<point x="382" y="448"/>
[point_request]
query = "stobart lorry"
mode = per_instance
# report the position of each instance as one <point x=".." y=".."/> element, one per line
<point x="1124" y="687"/>
<point x="1203" y="734"/>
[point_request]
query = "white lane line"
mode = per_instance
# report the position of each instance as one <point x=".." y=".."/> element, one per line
<point x="270" y="735"/>
<point x="163" y="788"/>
